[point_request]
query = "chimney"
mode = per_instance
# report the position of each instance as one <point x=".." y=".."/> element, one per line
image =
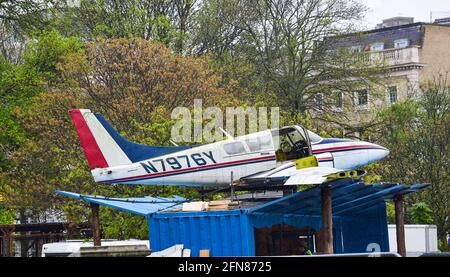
<point x="395" y="21"/>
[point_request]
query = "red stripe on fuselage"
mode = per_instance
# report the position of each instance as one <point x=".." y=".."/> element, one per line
<point x="193" y="169"/>
<point x="91" y="150"/>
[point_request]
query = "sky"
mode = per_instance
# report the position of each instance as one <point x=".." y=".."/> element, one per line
<point x="419" y="9"/>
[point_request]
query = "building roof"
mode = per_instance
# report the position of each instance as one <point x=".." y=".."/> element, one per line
<point x="413" y="32"/>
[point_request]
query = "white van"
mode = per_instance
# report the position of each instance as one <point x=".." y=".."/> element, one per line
<point x="419" y="239"/>
<point x="71" y="248"/>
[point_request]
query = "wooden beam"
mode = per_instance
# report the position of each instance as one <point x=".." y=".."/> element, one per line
<point x="95" y="224"/>
<point x="400" y="225"/>
<point x="7" y="240"/>
<point x="327" y="220"/>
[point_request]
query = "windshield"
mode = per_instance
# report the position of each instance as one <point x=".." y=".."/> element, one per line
<point x="314" y="137"/>
<point x="290" y="144"/>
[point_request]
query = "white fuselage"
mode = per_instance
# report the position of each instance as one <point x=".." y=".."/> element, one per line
<point x="211" y="165"/>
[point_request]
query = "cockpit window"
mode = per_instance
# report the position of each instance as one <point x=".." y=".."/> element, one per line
<point x="234" y="148"/>
<point x="290" y="144"/>
<point x="314" y="137"/>
<point x="259" y="143"/>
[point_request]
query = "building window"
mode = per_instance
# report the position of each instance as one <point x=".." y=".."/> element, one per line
<point x="393" y="94"/>
<point x="355" y="49"/>
<point x="379" y="46"/>
<point x="362" y="98"/>
<point x="401" y="43"/>
<point x="339" y="100"/>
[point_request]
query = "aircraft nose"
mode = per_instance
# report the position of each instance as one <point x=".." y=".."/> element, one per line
<point x="377" y="153"/>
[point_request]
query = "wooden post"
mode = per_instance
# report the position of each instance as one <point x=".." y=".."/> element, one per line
<point x="289" y="190"/>
<point x="95" y="224"/>
<point x="400" y="225"/>
<point x="9" y="244"/>
<point x="7" y="241"/>
<point x="327" y="220"/>
<point x="232" y="197"/>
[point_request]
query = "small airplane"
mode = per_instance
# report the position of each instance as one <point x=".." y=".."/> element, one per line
<point x="284" y="156"/>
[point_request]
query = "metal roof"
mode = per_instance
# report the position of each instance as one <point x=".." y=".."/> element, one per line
<point x="348" y="196"/>
<point x="143" y="206"/>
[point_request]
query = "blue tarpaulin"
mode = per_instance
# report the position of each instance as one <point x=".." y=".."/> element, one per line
<point x="141" y="206"/>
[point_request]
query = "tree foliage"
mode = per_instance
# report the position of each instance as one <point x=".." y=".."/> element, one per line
<point x="283" y="52"/>
<point x="416" y="132"/>
<point x="18" y="20"/>
<point x="7" y="216"/>
<point x="134" y="84"/>
<point x="20" y="83"/>
<point x="24" y="14"/>
<point x="161" y="20"/>
<point x="421" y="213"/>
<point x="136" y="60"/>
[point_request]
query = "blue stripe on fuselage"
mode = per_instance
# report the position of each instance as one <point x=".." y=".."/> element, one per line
<point x="333" y="140"/>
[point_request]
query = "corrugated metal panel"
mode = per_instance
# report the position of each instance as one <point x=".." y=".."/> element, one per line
<point x="224" y="233"/>
<point x="348" y="196"/>
<point x="366" y="230"/>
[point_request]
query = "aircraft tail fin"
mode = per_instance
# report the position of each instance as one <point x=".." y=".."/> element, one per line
<point x="100" y="148"/>
<point x="105" y="147"/>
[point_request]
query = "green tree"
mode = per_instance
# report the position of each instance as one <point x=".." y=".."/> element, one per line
<point x="24" y="12"/>
<point x="48" y="51"/>
<point x="6" y="216"/>
<point x="19" y="84"/>
<point x="135" y="84"/>
<point x="161" y="20"/>
<point x="421" y="213"/>
<point x="285" y="51"/>
<point x="416" y="133"/>
<point x="19" y="19"/>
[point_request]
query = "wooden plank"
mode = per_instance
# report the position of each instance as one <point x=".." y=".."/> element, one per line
<point x="219" y="202"/>
<point x="204" y="253"/>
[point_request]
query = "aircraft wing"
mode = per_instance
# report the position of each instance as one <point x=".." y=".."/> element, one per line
<point x="311" y="176"/>
<point x="290" y="174"/>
